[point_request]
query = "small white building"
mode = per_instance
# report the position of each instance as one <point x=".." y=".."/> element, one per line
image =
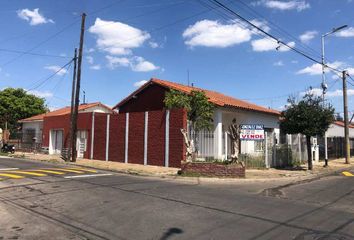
<point x="336" y="129"/>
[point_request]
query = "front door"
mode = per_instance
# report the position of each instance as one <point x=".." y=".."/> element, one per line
<point x="81" y="143"/>
<point x="56" y="138"/>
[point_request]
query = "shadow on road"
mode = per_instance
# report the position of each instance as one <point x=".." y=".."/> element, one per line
<point x="170" y="232"/>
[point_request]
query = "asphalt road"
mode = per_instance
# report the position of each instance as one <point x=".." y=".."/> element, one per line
<point x="105" y="205"/>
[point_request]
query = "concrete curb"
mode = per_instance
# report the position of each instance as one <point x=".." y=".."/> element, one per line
<point x="193" y="179"/>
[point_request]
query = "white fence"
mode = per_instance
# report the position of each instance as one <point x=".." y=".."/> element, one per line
<point x="272" y="152"/>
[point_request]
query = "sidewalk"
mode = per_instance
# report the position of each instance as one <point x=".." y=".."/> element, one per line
<point x="337" y="165"/>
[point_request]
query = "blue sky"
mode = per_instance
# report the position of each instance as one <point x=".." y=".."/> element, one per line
<point x="128" y="42"/>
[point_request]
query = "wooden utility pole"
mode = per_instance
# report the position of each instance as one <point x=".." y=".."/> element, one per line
<point x="77" y="89"/>
<point x="346" y="122"/>
<point x="71" y="140"/>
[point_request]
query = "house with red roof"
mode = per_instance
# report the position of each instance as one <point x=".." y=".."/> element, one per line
<point x="150" y="97"/>
<point x="33" y="127"/>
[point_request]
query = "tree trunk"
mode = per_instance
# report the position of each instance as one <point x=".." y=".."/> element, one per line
<point x="309" y="152"/>
<point x="189" y="145"/>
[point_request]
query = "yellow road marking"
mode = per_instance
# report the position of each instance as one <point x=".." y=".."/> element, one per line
<point x="66" y="170"/>
<point x="84" y="169"/>
<point x="10" y="175"/>
<point x="48" y="171"/>
<point x="29" y="173"/>
<point x="348" y="174"/>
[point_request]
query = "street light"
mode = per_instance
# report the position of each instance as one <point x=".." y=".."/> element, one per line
<point x="324" y="85"/>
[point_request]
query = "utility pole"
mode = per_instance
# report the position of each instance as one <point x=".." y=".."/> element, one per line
<point x="346" y="123"/>
<point x="77" y="89"/>
<point x="71" y="139"/>
<point x="84" y="101"/>
<point x="324" y="85"/>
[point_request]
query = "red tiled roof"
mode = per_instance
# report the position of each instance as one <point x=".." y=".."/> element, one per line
<point x="217" y="98"/>
<point x="62" y="111"/>
<point x="341" y="124"/>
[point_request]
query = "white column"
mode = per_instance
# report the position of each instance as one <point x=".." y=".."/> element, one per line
<point x="92" y="134"/>
<point x="107" y="136"/>
<point x="146" y="137"/>
<point x="167" y="137"/>
<point x="218" y="134"/>
<point x="126" y="137"/>
<point x="266" y="149"/>
<point x="225" y="146"/>
<point x="300" y="153"/>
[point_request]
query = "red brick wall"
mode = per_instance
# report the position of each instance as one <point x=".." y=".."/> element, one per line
<point x="99" y="143"/>
<point x="156" y="138"/>
<point x="116" y="138"/>
<point x="150" y="99"/>
<point x="213" y="169"/>
<point x="136" y="137"/>
<point x="178" y="120"/>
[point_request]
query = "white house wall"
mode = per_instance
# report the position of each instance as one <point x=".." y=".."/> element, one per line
<point x="223" y="118"/>
<point x="338" y="131"/>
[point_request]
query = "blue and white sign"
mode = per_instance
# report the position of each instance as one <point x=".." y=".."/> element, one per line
<point x="252" y="132"/>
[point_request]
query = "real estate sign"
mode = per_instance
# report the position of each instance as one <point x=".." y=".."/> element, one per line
<point x="251" y="132"/>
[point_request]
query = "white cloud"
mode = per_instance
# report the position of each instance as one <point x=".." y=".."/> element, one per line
<point x="349" y="32"/>
<point x="57" y="69"/>
<point x="335" y="93"/>
<point x="137" y="64"/>
<point x="89" y="59"/>
<point x="153" y="44"/>
<point x="283" y="5"/>
<point x="117" y="38"/>
<point x="210" y="33"/>
<point x="95" y="67"/>
<point x="114" y="62"/>
<point x="316" y="68"/>
<point x="33" y="17"/>
<point x="278" y="63"/>
<point x="268" y="44"/>
<point x="307" y="36"/>
<point x="140" y="83"/>
<point x="44" y="94"/>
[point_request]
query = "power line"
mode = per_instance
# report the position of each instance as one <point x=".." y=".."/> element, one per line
<point x="39" y="44"/>
<point x="141" y="15"/>
<point x="280" y="42"/>
<point x="56" y="86"/>
<point x="40" y="83"/>
<point x="31" y="53"/>
<point x="278" y="29"/>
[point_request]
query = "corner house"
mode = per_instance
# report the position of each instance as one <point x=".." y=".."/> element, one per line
<point x="216" y="143"/>
<point x="140" y="130"/>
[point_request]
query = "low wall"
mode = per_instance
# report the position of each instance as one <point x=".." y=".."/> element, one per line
<point x="213" y="169"/>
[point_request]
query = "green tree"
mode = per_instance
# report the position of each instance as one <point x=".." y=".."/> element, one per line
<point x="199" y="113"/>
<point x="309" y="117"/>
<point x="16" y="104"/>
